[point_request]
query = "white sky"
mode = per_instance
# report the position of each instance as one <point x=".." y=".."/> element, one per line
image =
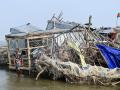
<point x="15" y="13"/>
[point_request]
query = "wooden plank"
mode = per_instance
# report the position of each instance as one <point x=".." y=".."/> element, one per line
<point x="38" y="47"/>
<point x="42" y="36"/>
<point x="24" y="68"/>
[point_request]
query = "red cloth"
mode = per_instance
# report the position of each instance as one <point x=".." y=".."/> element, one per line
<point x="113" y="35"/>
<point x="118" y="15"/>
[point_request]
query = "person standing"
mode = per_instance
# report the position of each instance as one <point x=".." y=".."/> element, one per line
<point x="18" y="62"/>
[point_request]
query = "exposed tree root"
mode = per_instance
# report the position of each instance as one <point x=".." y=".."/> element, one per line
<point x="73" y="73"/>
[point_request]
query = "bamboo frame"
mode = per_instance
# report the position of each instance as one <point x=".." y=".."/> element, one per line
<point x="28" y="48"/>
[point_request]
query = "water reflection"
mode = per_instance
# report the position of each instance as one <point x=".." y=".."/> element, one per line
<point x="10" y="81"/>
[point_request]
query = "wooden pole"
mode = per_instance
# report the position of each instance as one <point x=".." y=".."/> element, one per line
<point x="116" y="21"/>
<point x="89" y="26"/>
<point x="29" y="61"/>
<point x="8" y="51"/>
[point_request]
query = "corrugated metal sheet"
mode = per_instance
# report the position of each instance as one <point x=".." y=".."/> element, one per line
<point x="60" y="25"/>
<point x="104" y="30"/>
<point x="28" y="28"/>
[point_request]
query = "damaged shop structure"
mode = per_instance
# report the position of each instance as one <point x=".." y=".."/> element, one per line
<point x="78" y="53"/>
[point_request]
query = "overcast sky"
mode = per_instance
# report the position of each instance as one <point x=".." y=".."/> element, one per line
<point x="15" y="13"/>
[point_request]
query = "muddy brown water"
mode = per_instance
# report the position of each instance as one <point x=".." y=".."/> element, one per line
<point x="10" y="81"/>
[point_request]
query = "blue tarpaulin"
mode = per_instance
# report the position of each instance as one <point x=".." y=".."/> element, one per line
<point x="111" y="55"/>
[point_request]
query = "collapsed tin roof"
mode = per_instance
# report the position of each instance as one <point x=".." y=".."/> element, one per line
<point x="55" y="25"/>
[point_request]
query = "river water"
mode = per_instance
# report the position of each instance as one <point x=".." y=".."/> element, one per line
<point x="10" y="81"/>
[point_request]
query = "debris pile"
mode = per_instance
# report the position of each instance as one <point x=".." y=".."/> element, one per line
<point x="77" y="53"/>
<point x="74" y="73"/>
<point x="76" y="57"/>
